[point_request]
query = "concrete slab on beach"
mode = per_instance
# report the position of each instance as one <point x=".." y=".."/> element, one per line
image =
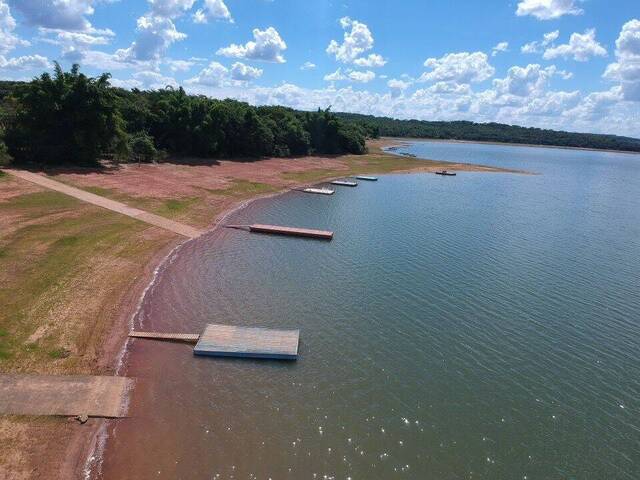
<point x="64" y="395"/>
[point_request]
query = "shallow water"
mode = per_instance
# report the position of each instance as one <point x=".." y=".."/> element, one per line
<point x="481" y="326"/>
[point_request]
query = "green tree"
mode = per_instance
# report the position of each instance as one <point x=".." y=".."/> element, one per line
<point x="67" y="118"/>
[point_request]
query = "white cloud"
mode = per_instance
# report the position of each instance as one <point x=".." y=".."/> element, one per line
<point x="548" y="9"/>
<point x="538" y="46"/>
<point x="27" y="62"/>
<point x="398" y="85"/>
<point x="180" y="65"/>
<point x="245" y="73"/>
<point x="59" y="14"/>
<point x="362" y="77"/>
<point x="214" y="75"/>
<point x="626" y="70"/>
<point x="372" y="61"/>
<point x="8" y="40"/>
<point x="170" y="8"/>
<point x="500" y="47"/>
<point x="213" y="10"/>
<point x="335" y="76"/>
<point x="460" y="67"/>
<point x="356" y="41"/>
<point x="308" y="66"/>
<point x="581" y="47"/>
<point x="154" y="35"/>
<point x="268" y="47"/>
<point x="154" y="80"/>
<point x="524" y="81"/>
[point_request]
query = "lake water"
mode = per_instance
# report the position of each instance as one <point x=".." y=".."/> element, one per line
<point x="484" y="326"/>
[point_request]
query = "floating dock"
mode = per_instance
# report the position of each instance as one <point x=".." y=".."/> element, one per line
<point x="444" y="173"/>
<point x="319" y="191"/>
<point x="233" y="341"/>
<point x="248" y="342"/>
<point x="289" y="231"/>
<point x="366" y="178"/>
<point x="345" y="183"/>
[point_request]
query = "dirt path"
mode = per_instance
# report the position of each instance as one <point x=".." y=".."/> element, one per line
<point x="158" y="221"/>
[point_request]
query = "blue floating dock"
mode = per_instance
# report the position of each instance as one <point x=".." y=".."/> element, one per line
<point x="248" y="342"/>
<point x="367" y="178"/>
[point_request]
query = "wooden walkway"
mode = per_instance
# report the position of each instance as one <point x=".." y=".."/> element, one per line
<point x="170" y="337"/>
<point x="103" y="202"/>
<point x="249" y="342"/>
<point x="64" y="395"/>
<point x="289" y="231"/>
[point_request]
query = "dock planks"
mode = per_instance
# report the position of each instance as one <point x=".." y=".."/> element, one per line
<point x="248" y="342"/>
<point x="319" y="191"/>
<point x="345" y="183"/>
<point x="170" y="337"/>
<point x="64" y="395"/>
<point x="289" y="231"/>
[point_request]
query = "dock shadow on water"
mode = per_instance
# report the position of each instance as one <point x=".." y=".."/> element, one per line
<point x="482" y="327"/>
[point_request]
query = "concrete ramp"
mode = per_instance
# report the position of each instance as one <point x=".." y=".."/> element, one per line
<point x="64" y="395"/>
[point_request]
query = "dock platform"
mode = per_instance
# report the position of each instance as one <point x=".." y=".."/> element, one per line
<point x="248" y="342"/>
<point x="289" y="231"/>
<point x="319" y="191"/>
<point x="367" y="178"/>
<point x="345" y="183"/>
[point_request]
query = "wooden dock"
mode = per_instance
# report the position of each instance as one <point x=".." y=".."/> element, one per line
<point x="248" y="342"/>
<point x="345" y="183"/>
<point x="169" y="337"/>
<point x="366" y="178"/>
<point x="318" y="191"/>
<point x="289" y="231"/>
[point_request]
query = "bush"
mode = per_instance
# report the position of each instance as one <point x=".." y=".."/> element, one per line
<point x="142" y="148"/>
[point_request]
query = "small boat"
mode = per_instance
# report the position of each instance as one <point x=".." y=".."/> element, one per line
<point x="368" y="179"/>
<point x="445" y="173"/>
<point x="345" y="183"/>
<point x="319" y="191"/>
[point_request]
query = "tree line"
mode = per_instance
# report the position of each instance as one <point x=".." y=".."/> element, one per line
<point x="69" y="117"/>
<point x="488" y="132"/>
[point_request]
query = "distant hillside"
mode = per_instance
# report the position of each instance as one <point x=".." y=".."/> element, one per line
<point x="489" y="132"/>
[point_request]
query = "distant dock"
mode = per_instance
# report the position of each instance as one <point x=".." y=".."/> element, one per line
<point x="234" y="341"/>
<point x="345" y="183"/>
<point x="288" y="231"/>
<point x="367" y="178"/>
<point x="318" y="191"/>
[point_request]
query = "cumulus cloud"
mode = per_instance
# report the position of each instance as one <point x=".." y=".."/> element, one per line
<point x="267" y="47"/>
<point x="213" y="10"/>
<point x="548" y="9"/>
<point x="27" y="62"/>
<point x="154" y="35"/>
<point x="180" y="65"/>
<point x="58" y="14"/>
<point x="538" y="46"/>
<point x="463" y="67"/>
<point x="626" y="70"/>
<point x="357" y="40"/>
<point x="308" y="66"/>
<point x="524" y="81"/>
<point x="581" y="47"/>
<point x="170" y="8"/>
<point x="362" y="77"/>
<point x="398" y="85"/>
<point x="244" y="73"/>
<point x="500" y="47"/>
<point x="8" y="40"/>
<point x="335" y="76"/>
<point x="372" y="61"/>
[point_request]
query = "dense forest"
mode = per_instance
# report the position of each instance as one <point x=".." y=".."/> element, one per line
<point x="488" y="132"/>
<point x="68" y="117"/>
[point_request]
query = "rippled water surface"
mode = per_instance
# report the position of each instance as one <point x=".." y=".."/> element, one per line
<point x="483" y="326"/>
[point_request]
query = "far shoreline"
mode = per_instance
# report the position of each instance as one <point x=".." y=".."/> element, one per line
<point x="507" y="144"/>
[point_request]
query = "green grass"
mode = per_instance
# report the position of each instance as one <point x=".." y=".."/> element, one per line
<point x="244" y="188"/>
<point x="42" y="263"/>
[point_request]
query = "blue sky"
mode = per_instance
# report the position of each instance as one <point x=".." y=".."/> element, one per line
<point x="568" y="64"/>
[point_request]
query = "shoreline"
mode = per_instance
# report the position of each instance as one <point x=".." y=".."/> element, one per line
<point x="404" y="140"/>
<point x="86" y="459"/>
